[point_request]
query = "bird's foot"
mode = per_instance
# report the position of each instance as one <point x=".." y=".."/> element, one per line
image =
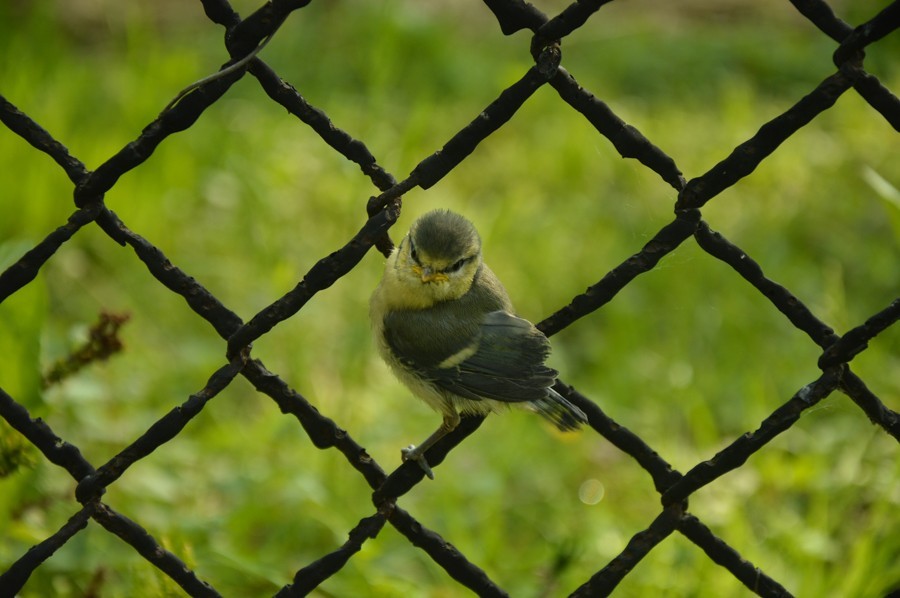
<point x="411" y="453"/>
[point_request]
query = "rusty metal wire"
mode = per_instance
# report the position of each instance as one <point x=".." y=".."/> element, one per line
<point x="243" y="38"/>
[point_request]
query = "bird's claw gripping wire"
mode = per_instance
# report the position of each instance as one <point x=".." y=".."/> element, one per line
<point x="411" y="453"/>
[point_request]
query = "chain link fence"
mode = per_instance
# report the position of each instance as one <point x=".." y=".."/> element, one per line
<point x="243" y="39"/>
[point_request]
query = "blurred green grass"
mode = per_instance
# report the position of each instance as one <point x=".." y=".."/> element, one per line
<point x="689" y="356"/>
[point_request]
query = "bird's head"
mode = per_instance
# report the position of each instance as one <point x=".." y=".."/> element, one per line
<point x="438" y="259"/>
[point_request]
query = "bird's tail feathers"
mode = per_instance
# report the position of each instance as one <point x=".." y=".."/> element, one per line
<point x="560" y="411"/>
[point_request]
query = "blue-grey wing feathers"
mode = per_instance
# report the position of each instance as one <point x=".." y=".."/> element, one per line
<point x="503" y="360"/>
<point x="508" y="364"/>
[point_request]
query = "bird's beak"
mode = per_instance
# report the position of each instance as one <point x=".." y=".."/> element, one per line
<point x="428" y="275"/>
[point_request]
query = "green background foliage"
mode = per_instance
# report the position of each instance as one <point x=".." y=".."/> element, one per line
<point x="688" y="356"/>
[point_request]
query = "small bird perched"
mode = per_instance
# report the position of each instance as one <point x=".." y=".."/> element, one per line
<point x="445" y="326"/>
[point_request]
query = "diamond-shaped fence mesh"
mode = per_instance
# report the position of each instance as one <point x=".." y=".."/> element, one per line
<point x="97" y="481"/>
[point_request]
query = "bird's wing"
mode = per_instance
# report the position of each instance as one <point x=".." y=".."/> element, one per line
<point x="504" y="362"/>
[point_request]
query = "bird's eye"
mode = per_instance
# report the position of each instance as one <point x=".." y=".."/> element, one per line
<point x="413" y="253"/>
<point x="456" y="265"/>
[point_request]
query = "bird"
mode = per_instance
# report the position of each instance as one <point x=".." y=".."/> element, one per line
<point x="445" y="325"/>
